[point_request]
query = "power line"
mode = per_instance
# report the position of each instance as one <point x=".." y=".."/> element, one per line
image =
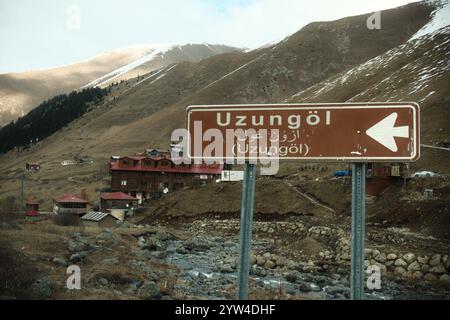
<point x="434" y="147"/>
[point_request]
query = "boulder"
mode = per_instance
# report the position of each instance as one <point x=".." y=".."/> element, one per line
<point x="445" y="278"/>
<point x="303" y="286"/>
<point x="400" y="263"/>
<point x="290" y="289"/>
<point x="260" y="261"/>
<point x="415" y="266"/>
<point x="226" y="268"/>
<point x="375" y="253"/>
<point x="74" y="258"/>
<point x="104" y="282"/>
<point x="423" y="259"/>
<point x="152" y="244"/>
<point x="150" y="291"/>
<point x="391" y="256"/>
<point x="425" y="268"/>
<point x="407" y="275"/>
<point x="60" y="261"/>
<point x="381" y="258"/>
<point x="267" y="255"/>
<point x="270" y="264"/>
<point x="181" y="250"/>
<point x="438" y="269"/>
<point x="435" y="260"/>
<point x="291" y="265"/>
<point x="281" y="262"/>
<point x="409" y="257"/>
<point x="258" y="271"/>
<point x="399" y="271"/>
<point x="430" y="277"/>
<point x="292" y="276"/>
<point x="75" y="246"/>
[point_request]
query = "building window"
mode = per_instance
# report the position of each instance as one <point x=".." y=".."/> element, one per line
<point x="164" y="163"/>
<point x="123" y="183"/>
<point x="148" y="163"/>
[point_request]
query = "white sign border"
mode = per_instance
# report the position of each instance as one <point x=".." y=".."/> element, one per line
<point x="314" y="106"/>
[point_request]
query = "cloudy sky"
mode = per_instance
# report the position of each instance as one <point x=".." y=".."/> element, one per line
<point x="46" y="33"/>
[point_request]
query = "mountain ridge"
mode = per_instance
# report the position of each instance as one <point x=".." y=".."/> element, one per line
<point x="20" y="92"/>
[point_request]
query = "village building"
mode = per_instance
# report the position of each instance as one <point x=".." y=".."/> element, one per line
<point x="118" y="204"/>
<point x="150" y="177"/>
<point x="381" y="176"/>
<point x="99" y="219"/>
<point x="70" y="204"/>
<point x="117" y="200"/>
<point x="32" y="207"/>
<point x="32" y="166"/>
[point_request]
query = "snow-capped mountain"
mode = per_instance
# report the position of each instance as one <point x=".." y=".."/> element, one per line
<point x="20" y="92"/>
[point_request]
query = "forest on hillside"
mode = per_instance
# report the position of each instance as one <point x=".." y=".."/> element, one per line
<point x="48" y="117"/>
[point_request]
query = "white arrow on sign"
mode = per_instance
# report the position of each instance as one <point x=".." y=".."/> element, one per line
<point x="384" y="132"/>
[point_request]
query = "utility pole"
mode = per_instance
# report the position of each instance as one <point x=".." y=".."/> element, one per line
<point x="22" y="206"/>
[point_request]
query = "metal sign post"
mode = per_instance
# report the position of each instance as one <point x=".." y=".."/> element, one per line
<point x="248" y="195"/>
<point x="358" y="230"/>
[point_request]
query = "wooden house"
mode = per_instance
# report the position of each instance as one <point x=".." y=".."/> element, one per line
<point x="117" y="200"/>
<point x="149" y="177"/>
<point x="32" y="166"/>
<point x="70" y="204"/>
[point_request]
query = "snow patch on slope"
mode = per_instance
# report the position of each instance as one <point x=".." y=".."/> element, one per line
<point x="419" y="72"/>
<point x="440" y="18"/>
<point x="153" y="51"/>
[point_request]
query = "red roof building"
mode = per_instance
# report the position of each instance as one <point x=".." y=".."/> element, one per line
<point x="69" y="203"/>
<point x="146" y="177"/>
<point x="70" y="198"/>
<point x="32" y="207"/>
<point x="117" y="200"/>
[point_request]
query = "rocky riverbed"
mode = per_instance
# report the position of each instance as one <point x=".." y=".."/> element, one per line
<point x="292" y="259"/>
<point x="207" y="266"/>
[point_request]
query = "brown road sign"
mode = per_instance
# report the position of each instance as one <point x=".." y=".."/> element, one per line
<point x="353" y="132"/>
